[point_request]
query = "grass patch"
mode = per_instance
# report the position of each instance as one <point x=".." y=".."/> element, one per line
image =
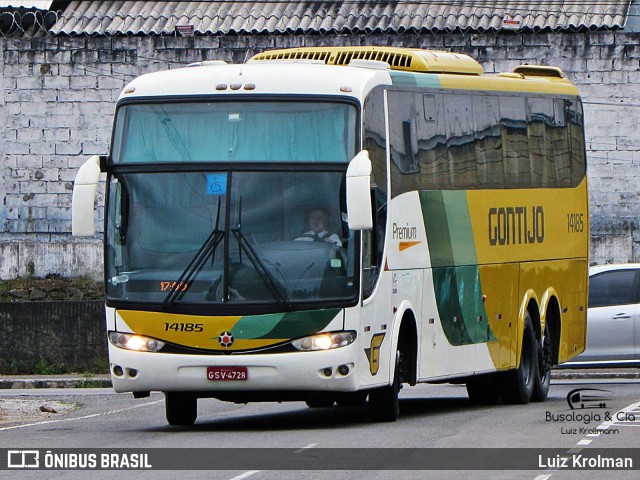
<point x="44" y="367"/>
<point x="51" y="287"/>
<point x="91" y="384"/>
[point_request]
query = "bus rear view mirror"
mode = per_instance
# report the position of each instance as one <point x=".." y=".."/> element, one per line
<point x="359" y="192"/>
<point x="84" y="195"/>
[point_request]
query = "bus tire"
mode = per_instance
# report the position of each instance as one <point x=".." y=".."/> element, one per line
<point x="180" y="408"/>
<point x="517" y="385"/>
<point x="483" y="390"/>
<point x="545" y="360"/>
<point x="383" y="402"/>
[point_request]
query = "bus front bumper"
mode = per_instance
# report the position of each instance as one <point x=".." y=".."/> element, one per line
<point x="330" y="371"/>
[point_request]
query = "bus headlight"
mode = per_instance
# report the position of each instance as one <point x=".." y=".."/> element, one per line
<point x="139" y="343"/>
<point x="324" y="341"/>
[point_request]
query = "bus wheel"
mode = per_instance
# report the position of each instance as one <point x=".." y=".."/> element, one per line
<point x="483" y="390"/>
<point x="383" y="402"/>
<point x="517" y="385"/>
<point x="543" y="376"/>
<point x="180" y="408"/>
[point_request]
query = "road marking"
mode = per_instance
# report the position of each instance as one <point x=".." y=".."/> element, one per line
<point x="44" y="422"/>
<point x="630" y="415"/>
<point x="311" y="445"/>
<point x="253" y="472"/>
<point x="246" y="474"/>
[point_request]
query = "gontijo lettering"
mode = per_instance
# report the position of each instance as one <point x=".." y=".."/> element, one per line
<point x="516" y="225"/>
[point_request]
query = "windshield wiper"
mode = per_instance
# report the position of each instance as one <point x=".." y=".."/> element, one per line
<point x="206" y="250"/>
<point x="261" y="269"/>
<point x="182" y="285"/>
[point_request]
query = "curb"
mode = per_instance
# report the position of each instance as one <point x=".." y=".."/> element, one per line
<point x="591" y="375"/>
<point x="53" y="382"/>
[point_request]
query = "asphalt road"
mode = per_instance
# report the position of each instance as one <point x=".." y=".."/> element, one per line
<point x="432" y="416"/>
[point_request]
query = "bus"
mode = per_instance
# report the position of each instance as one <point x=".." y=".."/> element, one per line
<point x="457" y="201"/>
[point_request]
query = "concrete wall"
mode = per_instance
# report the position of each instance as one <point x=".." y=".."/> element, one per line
<point x="52" y="337"/>
<point x="58" y="97"/>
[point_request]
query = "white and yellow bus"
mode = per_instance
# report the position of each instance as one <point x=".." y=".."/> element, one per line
<point x="454" y="219"/>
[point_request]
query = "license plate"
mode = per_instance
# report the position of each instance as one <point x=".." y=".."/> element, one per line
<point x="225" y="374"/>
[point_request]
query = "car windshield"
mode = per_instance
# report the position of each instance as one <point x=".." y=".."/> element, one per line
<point x="201" y="238"/>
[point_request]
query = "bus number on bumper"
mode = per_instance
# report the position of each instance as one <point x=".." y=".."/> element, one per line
<point x="223" y="374"/>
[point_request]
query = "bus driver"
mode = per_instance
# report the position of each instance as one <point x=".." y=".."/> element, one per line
<point x="317" y="225"/>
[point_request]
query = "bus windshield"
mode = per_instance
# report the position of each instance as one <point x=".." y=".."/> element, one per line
<point x="236" y="131"/>
<point x="223" y="237"/>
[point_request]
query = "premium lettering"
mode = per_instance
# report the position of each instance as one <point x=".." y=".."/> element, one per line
<point x="404" y="233"/>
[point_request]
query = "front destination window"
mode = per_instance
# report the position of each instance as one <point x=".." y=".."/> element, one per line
<point x="235" y="132"/>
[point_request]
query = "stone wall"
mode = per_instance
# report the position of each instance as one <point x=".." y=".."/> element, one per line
<point x="53" y="337"/>
<point x="58" y="97"/>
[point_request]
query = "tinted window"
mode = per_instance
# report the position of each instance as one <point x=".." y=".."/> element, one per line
<point x="613" y="288"/>
<point x="235" y="132"/>
<point x="574" y="118"/>
<point x="515" y="145"/>
<point x="460" y="140"/>
<point x="541" y="133"/>
<point x="228" y="238"/>
<point x="449" y="141"/>
<point x="375" y="139"/>
<point x="488" y="141"/>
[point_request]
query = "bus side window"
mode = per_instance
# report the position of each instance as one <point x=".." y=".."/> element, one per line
<point x="515" y="142"/>
<point x="574" y="121"/>
<point x="373" y="242"/>
<point x="488" y="141"/>
<point x="461" y="150"/>
<point x="375" y="138"/>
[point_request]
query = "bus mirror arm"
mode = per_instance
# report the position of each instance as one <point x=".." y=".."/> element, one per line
<point x="84" y="195"/>
<point x="359" y="210"/>
<point x="102" y="160"/>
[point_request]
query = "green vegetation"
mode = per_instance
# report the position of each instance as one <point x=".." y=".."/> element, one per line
<point x="44" y="367"/>
<point x="91" y="384"/>
<point x="47" y="367"/>
<point x="52" y="287"/>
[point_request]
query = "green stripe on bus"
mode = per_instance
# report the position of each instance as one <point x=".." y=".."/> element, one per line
<point x="256" y="326"/>
<point x="456" y="275"/>
<point x="435" y="223"/>
<point x="459" y="226"/>
<point x="462" y="314"/>
<point x="283" y="325"/>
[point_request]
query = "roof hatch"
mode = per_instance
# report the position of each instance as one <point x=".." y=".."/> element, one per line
<point x="539" y="71"/>
<point x="407" y="59"/>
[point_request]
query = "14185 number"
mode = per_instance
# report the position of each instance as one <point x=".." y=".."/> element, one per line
<point x="184" y="327"/>
<point x="575" y="222"/>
